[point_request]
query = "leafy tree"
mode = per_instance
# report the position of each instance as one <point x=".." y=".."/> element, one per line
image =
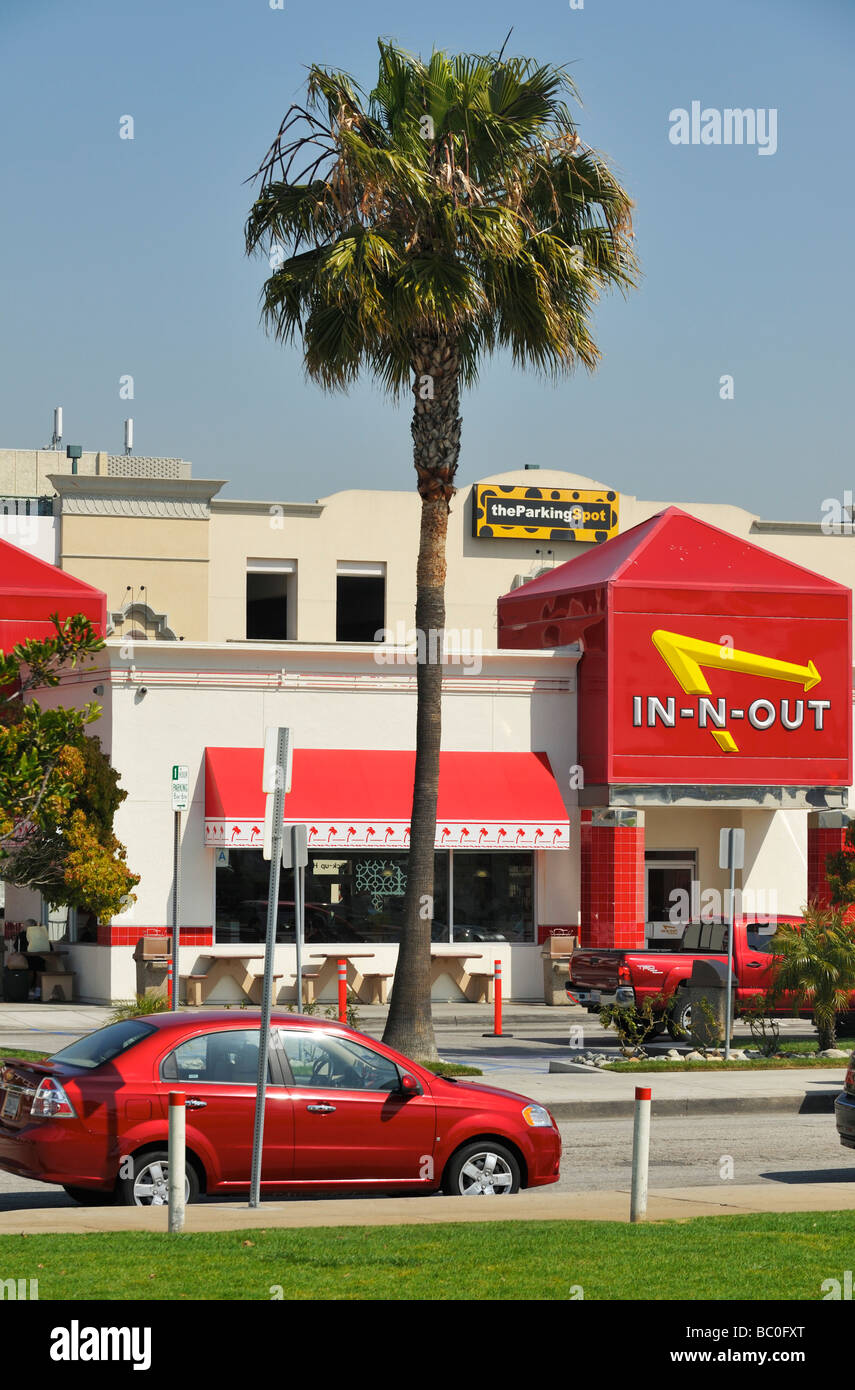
<point x="58" y="792"/>
<point x="453" y="212"/>
<point x="815" y="964"/>
<point x="840" y="871"/>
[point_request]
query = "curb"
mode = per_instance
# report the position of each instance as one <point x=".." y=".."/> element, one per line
<point x="690" y="1106"/>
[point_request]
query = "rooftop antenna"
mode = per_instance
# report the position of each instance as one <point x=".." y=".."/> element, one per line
<point x="56" y="441"/>
<point x="129" y="436"/>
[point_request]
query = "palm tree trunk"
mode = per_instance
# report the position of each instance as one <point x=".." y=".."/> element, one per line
<point x="436" y="447"/>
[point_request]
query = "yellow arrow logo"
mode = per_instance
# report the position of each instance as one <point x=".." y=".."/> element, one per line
<point x="685" y="656"/>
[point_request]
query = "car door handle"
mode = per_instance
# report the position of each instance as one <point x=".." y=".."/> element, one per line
<point x="320" y="1109"/>
<point x="754" y="964"/>
<point x="194" y="1104"/>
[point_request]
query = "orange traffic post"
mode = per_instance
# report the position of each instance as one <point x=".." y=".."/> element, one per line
<point x="497" y="1004"/>
<point x="342" y="991"/>
<point x="170" y="986"/>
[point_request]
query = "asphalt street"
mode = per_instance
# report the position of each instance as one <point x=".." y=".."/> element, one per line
<point x="764" y="1149"/>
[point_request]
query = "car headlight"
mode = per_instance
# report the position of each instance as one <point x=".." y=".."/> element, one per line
<point x="537" y="1116"/>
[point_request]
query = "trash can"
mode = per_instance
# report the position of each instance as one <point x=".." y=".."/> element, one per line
<point x="152" y="955"/>
<point x="17" y="976"/>
<point x="556" y="953"/>
<point x="708" y="981"/>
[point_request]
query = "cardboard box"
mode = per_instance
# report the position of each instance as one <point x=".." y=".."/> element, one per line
<point x="149" y="947"/>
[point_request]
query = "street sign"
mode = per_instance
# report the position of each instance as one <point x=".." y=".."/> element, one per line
<point x="180" y="787"/>
<point x="731" y="855"/>
<point x="295" y="847"/>
<point x="275" y="775"/>
<point x="731" y="842"/>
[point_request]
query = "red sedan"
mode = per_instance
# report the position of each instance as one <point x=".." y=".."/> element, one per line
<point x="344" y="1114"/>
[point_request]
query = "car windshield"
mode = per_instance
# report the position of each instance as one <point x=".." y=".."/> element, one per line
<point x="98" y="1048"/>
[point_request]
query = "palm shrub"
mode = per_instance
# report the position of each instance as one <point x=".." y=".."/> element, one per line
<point x="452" y="212"/>
<point x="815" y="966"/>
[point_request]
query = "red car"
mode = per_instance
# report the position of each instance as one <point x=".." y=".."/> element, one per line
<point x="343" y="1114"/>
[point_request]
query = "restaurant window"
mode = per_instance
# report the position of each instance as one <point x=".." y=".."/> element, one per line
<point x="358" y="896"/>
<point x="360" y="611"/>
<point x="493" y="896"/>
<point x="270" y="600"/>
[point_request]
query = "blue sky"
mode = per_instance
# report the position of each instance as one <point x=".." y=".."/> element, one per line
<point x="125" y="256"/>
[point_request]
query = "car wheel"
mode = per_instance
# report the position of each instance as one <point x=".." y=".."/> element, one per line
<point x="148" y="1186"/>
<point x="482" y="1169"/>
<point x="87" y="1197"/>
<point x="680" y="1017"/>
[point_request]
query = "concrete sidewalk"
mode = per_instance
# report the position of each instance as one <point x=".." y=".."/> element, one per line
<point x="666" y="1204"/>
<point x="519" y="1062"/>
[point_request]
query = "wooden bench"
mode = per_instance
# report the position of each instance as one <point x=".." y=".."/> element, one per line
<point x="377" y="988"/>
<point x="309" y="978"/>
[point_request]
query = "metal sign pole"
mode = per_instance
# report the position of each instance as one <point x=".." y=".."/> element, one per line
<point x="176" y="880"/>
<point x="299" y="919"/>
<point x="728" y="1003"/>
<point x="278" y="799"/>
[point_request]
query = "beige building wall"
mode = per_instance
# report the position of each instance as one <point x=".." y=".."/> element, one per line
<point x="384" y="527"/>
<point x="167" y="556"/>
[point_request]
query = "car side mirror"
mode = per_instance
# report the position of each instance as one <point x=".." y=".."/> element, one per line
<point x="409" y="1086"/>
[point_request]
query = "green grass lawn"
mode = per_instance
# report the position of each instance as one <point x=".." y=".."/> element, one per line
<point x="22" y="1052"/>
<point x="773" y="1256"/>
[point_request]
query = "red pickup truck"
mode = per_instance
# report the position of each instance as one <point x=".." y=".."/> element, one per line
<point x="600" y="977"/>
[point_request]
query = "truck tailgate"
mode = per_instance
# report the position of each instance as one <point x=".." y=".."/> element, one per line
<point x="596" y="969"/>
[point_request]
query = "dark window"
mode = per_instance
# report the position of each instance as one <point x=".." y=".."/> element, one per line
<point x="761" y="938"/>
<point x="267" y="607"/>
<point x="360" y="607"/>
<point x="493" y="898"/>
<point x="227" y="1056"/>
<point x="98" y="1048"/>
<point x="350" y="896"/>
<point x="337" y="1063"/>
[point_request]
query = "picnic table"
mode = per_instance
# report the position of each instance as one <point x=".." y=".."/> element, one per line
<point x="200" y="984"/>
<point x="477" y="986"/>
<point x="374" y="983"/>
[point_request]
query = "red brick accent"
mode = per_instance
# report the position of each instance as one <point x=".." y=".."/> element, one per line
<point x="129" y="936"/>
<point x="612" y="899"/>
<point x="823" y="840"/>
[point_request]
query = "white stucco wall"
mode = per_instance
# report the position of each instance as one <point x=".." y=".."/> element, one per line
<point x="206" y="695"/>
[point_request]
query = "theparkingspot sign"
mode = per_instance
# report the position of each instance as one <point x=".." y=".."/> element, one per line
<point x="543" y="513"/>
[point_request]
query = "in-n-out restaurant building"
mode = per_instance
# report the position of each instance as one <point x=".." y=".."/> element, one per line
<point x="624" y="680"/>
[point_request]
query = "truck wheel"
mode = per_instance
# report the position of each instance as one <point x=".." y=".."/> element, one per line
<point x="680" y="1017"/>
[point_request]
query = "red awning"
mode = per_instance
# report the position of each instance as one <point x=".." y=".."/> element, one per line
<point x="358" y="799"/>
<point x="31" y="589"/>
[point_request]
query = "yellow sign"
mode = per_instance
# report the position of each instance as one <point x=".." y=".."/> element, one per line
<point x="684" y="656"/>
<point x="543" y="513"/>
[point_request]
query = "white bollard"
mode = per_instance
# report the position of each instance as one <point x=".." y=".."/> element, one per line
<point x="177" y="1159"/>
<point x="640" y="1153"/>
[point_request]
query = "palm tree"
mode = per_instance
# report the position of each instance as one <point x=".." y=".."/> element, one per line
<point x="816" y="966"/>
<point x="453" y="213"/>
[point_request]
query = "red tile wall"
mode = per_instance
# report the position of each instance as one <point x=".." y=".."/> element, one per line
<point x="129" y="936"/>
<point x="823" y="840"/>
<point x="612" y="861"/>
